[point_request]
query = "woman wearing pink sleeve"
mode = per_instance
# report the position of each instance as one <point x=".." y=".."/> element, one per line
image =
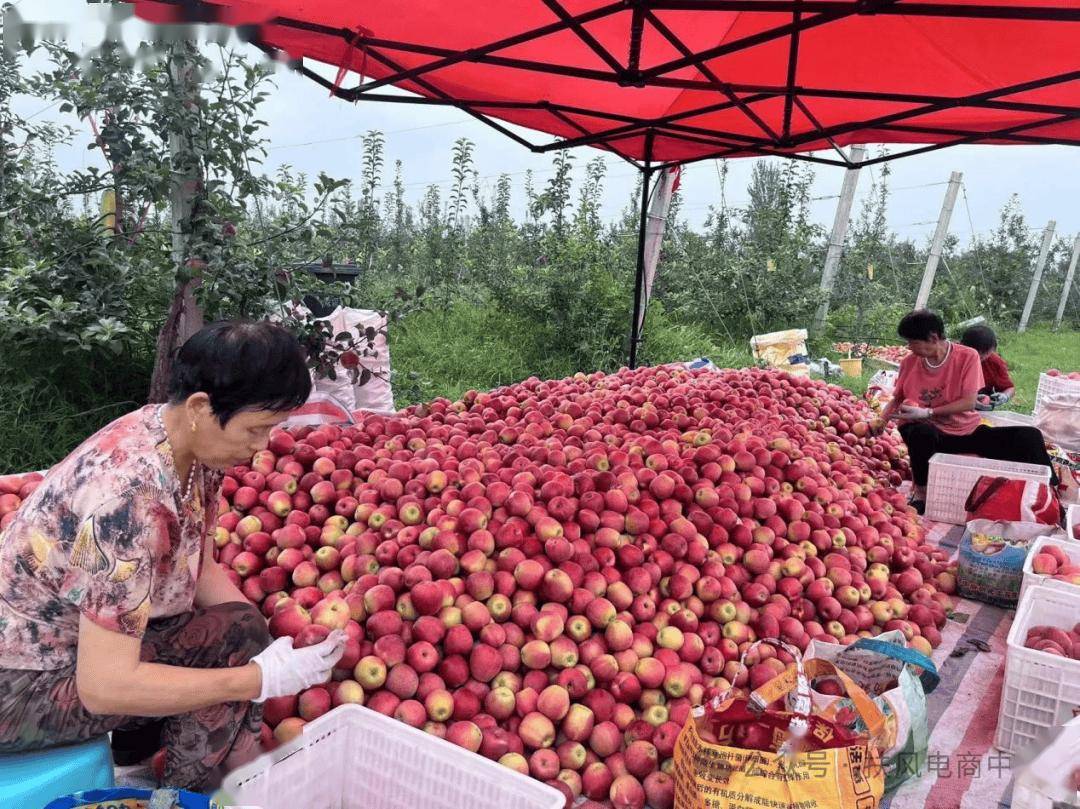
<point x="934" y="401"/>
<point x="113" y="612"/>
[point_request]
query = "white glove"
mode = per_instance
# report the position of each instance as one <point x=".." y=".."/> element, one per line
<point x="998" y="399"/>
<point x="912" y="413"/>
<point x="286" y="670"/>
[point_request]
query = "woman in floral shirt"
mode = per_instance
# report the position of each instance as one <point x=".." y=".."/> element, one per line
<point x="112" y="608"/>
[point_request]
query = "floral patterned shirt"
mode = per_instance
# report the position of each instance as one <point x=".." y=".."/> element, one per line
<point x="105" y="535"/>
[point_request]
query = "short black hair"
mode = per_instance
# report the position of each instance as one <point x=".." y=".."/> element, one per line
<point x="981" y="338"/>
<point x="920" y="324"/>
<point x="242" y="365"/>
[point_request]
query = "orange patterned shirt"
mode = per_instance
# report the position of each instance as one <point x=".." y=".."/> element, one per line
<point x="105" y="535"/>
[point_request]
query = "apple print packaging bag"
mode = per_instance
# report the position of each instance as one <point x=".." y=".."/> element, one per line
<point x="991" y="562"/>
<point x="129" y="798"/>
<point x="773" y="748"/>
<point x="897" y="679"/>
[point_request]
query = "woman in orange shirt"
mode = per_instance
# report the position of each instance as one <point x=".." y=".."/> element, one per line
<point x="934" y="401"/>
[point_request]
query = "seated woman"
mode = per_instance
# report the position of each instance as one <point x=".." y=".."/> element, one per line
<point x="934" y="401"/>
<point x="998" y="387"/>
<point x="112" y="607"/>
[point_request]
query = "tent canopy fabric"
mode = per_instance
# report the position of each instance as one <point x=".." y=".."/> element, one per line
<point x="673" y="81"/>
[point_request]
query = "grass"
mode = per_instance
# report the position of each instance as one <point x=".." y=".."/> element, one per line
<point x="1031" y="353"/>
<point x="47" y="408"/>
<point x="468" y="346"/>
<point x="462" y="347"/>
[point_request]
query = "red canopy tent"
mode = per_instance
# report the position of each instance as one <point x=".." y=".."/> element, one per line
<point x="665" y="82"/>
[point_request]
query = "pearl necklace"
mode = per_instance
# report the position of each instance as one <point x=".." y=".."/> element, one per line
<point x="948" y="351"/>
<point x="185" y="491"/>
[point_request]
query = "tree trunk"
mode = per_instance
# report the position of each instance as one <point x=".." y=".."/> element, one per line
<point x="184" y="318"/>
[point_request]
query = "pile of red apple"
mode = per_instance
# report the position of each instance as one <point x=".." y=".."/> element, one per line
<point x="551" y="574"/>
<point x="1054" y="562"/>
<point x="13" y="490"/>
<point x="1054" y="640"/>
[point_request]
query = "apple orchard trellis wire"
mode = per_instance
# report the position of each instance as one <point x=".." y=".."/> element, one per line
<point x="660" y="83"/>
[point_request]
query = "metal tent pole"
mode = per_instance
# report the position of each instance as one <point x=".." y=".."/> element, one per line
<point x="1036" y="278"/>
<point x="1067" y="286"/>
<point x="839" y="236"/>
<point x="636" y="320"/>
<point x="940" y="233"/>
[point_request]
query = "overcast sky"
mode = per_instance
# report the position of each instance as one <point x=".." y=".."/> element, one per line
<point x="313" y="133"/>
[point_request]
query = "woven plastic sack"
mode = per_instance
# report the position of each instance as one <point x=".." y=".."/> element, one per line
<point x="886" y="669"/>
<point x="808" y="760"/>
<point x="879" y="390"/>
<point x="320" y="408"/>
<point x="371" y="393"/>
<point x="785" y="350"/>
<point x="1059" y="419"/>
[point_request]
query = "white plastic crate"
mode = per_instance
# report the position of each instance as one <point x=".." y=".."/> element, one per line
<point x="1041" y="690"/>
<point x="1050" y="385"/>
<point x="356" y="758"/>
<point x="1033" y="579"/>
<point x="1072" y="522"/>
<point x="953" y="476"/>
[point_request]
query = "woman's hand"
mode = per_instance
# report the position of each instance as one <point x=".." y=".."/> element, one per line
<point x="913" y="413"/>
<point x="889" y="413"/>
<point x="287" y="671"/>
